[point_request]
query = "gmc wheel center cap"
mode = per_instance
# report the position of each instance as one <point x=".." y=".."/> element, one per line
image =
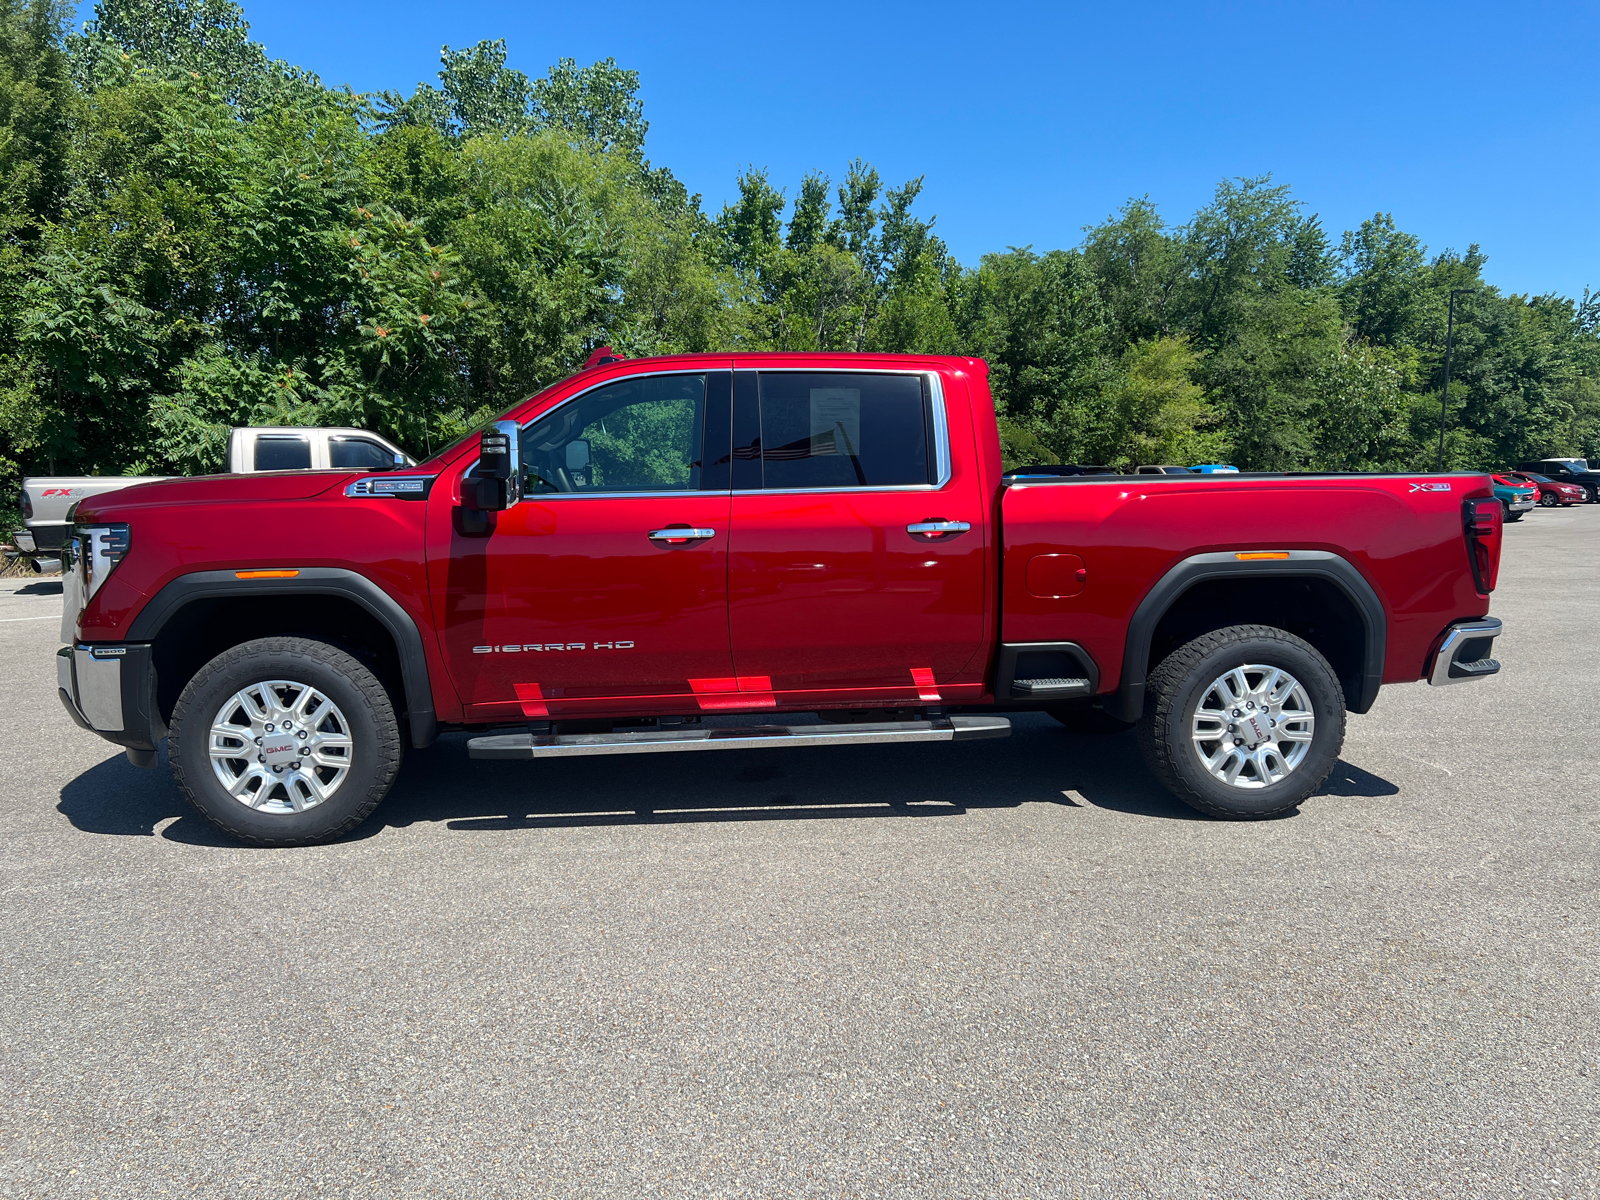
<point x="280" y="748"/>
<point x="1252" y="725"/>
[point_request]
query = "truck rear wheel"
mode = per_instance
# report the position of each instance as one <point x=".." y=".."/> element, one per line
<point x="284" y="741"/>
<point x="1244" y="722"/>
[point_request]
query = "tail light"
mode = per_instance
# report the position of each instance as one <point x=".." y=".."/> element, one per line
<point x="26" y="504"/>
<point x="1484" y="528"/>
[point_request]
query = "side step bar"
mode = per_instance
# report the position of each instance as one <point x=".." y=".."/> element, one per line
<point x="755" y="737"/>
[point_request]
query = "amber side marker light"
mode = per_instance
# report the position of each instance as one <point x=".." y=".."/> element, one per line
<point x="1248" y="555"/>
<point x="265" y="574"/>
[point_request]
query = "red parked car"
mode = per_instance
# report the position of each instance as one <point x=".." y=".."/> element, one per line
<point x="655" y="540"/>
<point x="1551" y="491"/>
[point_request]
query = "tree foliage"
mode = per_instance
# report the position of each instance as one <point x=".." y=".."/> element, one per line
<point x="195" y="235"/>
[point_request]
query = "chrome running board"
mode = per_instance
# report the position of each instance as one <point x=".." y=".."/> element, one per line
<point x="755" y="737"/>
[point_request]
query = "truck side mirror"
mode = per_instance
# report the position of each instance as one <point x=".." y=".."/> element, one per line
<point x="496" y="483"/>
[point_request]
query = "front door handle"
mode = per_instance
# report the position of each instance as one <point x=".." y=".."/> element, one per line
<point x="676" y="535"/>
<point x="935" y="529"/>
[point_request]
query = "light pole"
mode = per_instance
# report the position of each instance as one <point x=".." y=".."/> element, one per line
<point x="1444" y="400"/>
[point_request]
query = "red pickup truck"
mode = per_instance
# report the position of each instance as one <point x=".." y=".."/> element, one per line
<point x="655" y="540"/>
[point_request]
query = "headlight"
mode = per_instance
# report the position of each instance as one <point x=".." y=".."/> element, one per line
<point x="95" y="551"/>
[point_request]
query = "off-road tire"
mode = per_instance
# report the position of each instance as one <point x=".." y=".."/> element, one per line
<point x="1089" y="721"/>
<point x="374" y="730"/>
<point x="1175" y="689"/>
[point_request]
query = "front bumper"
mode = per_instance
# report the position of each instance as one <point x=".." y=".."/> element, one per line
<point x="1463" y="653"/>
<point x="111" y="690"/>
<point x="1521" y="506"/>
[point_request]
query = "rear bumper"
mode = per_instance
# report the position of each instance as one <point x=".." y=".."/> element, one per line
<point x="44" y="535"/>
<point x="111" y="691"/>
<point x="1463" y="653"/>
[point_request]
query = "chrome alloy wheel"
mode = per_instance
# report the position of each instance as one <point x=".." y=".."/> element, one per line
<point x="1253" y="726"/>
<point x="280" y="746"/>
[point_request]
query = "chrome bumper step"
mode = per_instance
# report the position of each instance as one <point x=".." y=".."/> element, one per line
<point x="754" y="737"/>
<point x="1475" y="637"/>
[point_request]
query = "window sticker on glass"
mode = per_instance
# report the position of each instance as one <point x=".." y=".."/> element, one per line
<point x="835" y="421"/>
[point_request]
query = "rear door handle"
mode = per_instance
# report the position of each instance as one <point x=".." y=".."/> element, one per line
<point x="934" y="529"/>
<point x="678" y="534"/>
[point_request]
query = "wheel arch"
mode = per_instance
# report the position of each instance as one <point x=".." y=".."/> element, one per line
<point x="187" y="623"/>
<point x="1212" y="591"/>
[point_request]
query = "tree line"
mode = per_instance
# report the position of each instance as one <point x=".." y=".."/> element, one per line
<point x="195" y="236"/>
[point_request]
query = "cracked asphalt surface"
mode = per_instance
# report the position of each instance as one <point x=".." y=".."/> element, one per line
<point x="1009" y="968"/>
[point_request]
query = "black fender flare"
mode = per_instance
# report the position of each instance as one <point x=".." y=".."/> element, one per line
<point x="313" y="581"/>
<point x="1128" y="702"/>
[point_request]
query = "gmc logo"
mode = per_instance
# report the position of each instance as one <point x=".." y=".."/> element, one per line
<point x="542" y="647"/>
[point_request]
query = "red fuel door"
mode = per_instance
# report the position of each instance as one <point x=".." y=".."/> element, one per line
<point x="1056" y="576"/>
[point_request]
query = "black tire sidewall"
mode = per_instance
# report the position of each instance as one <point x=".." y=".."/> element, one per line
<point x="1327" y="705"/>
<point x="343" y="679"/>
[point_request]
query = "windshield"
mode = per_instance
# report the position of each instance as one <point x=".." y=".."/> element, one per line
<point x="1536" y="478"/>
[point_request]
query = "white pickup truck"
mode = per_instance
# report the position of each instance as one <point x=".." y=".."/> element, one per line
<point x="46" y="500"/>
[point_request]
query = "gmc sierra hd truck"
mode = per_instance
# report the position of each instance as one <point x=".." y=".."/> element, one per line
<point x="752" y="535"/>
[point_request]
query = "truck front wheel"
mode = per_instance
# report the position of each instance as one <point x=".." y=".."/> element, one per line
<point x="284" y="741"/>
<point x="1244" y="722"/>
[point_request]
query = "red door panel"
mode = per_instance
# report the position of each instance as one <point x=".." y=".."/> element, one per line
<point x="829" y="593"/>
<point x="569" y="606"/>
<point x="833" y="591"/>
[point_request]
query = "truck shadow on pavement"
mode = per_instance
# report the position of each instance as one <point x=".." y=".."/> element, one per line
<point x="1040" y="764"/>
<point x="42" y="587"/>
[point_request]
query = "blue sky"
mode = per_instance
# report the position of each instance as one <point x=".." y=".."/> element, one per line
<point x="1469" y="121"/>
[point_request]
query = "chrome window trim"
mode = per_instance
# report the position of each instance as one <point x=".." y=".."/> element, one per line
<point x="941" y="431"/>
<point x="941" y="437"/>
<point x="557" y="407"/>
<point x="540" y="497"/>
<point x="820" y="491"/>
<point x="941" y="434"/>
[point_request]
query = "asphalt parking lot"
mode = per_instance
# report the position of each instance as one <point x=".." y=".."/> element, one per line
<point x="1008" y="968"/>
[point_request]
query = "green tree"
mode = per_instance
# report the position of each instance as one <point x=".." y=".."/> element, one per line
<point x="1158" y="414"/>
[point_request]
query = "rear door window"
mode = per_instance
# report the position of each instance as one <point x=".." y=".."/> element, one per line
<point x="283" y="453"/>
<point x="359" y="454"/>
<point x="839" y="430"/>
